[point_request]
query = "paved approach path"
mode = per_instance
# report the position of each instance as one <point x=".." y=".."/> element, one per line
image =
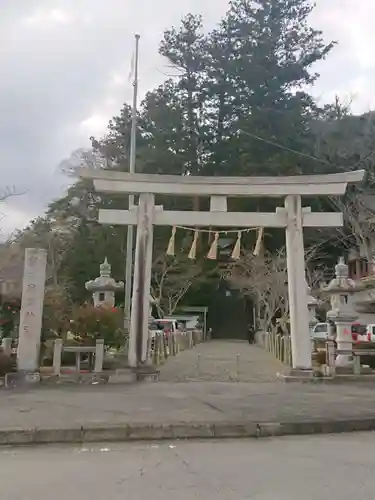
<point x="222" y="361"/>
<point x="293" y="468"/>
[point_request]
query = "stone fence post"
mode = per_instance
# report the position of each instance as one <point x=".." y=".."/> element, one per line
<point x="6" y="344"/>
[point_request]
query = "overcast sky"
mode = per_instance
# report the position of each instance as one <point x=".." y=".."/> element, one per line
<point x="64" y="67"/>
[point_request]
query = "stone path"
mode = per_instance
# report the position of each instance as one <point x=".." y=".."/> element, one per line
<point x="222" y="361"/>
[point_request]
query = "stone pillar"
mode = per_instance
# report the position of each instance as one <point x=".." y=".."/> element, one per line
<point x="57" y="355"/>
<point x="99" y="356"/>
<point x="30" y="328"/>
<point x="299" y="324"/>
<point x="138" y="335"/>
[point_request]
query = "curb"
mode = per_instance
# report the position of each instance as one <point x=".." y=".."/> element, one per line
<point x="153" y="432"/>
<point x="337" y="379"/>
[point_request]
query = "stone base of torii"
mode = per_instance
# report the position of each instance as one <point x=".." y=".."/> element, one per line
<point x="292" y="216"/>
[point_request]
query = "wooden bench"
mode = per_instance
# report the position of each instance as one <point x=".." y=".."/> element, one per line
<point x="356" y="354"/>
<point x="97" y="350"/>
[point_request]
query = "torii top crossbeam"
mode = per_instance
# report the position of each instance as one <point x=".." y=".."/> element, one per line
<point x="304" y="185"/>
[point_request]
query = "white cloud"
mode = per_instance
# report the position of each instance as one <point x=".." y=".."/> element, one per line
<point x="118" y="80"/>
<point x="11" y="218"/>
<point x="48" y="17"/>
<point x="94" y="124"/>
<point x="350" y="69"/>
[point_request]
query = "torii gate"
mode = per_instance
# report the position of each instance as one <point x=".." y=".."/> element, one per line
<point x="293" y="217"/>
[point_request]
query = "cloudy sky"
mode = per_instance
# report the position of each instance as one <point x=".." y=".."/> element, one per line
<point x="64" y="67"/>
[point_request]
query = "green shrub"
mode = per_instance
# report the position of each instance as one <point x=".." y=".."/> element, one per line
<point x="89" y="323"/>
<point x="56" y="312"/>
<point x="9" y="317"/>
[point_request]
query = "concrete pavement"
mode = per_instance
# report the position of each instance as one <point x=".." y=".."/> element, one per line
<point x="164" y="410"/>
<point x="187" y="403"/>
<point x="293" y="468"/>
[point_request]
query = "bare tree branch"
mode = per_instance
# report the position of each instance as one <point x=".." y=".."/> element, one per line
<point x="358" y="209"/>
<point x="172" y="277"/>
<point x="8" y="192"/>
<point x="264" y="279"/>
<point x="82" y="158"/>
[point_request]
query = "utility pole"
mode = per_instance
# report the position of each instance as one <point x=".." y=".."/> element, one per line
<point x="130" y="230"/>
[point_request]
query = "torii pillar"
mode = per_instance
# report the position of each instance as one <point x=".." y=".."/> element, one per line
<point x="298" y="311"/>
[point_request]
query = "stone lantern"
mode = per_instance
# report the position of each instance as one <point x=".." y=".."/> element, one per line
<point x="342" y="313"/>
<point x="104" y="287"/>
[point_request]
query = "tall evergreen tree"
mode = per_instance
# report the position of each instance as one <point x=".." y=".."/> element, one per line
<point x="231" y="94"/>
<point x="267" y="50"/>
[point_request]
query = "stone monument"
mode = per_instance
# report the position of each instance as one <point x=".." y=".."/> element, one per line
<point x="31" y="310"/>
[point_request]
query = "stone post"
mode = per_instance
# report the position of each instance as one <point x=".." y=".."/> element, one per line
<point x="31" y="309"/>
<point x="341" y="313"/>
<point x="99" y="356"/>
<point x="6" y="344"/>
<point x="57" y="354"/>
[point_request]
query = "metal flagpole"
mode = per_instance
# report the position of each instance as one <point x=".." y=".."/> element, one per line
<point x="130" y="230"/>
